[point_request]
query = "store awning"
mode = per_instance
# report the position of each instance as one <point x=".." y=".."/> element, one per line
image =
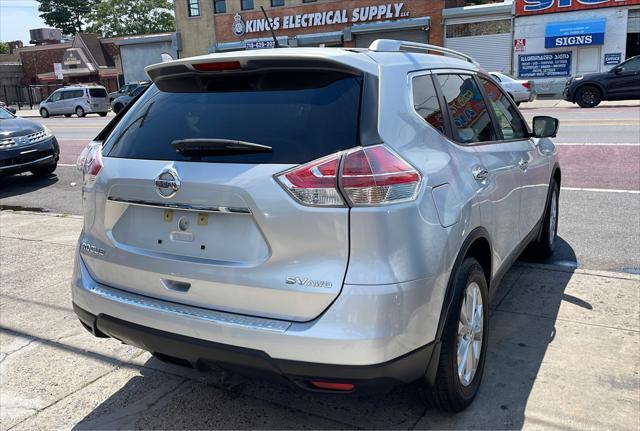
<point x="315" y="39"/>
<point x="401" y="24"/>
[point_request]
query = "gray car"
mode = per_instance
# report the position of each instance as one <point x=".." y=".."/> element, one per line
<point x="120" y="102"/>
<point x="339" y="218"/>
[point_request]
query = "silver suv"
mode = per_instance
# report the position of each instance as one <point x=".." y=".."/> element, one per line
<point x="336" y="217"/>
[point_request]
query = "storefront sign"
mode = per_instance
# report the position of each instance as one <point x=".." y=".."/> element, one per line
<point x="534" y="7"/>
<point x="612" y="58"/>
<point x="519" y="45"/>
<point x="260" y="44"/>
<point x="544" y="65"/>
<point x="318" y="19"/>
<point x="574" y="33"/>
<point x="57" y="70"/>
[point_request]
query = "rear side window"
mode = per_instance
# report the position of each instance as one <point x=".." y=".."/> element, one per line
<point x="97" y="92"/>
<point x="510" y="123"/>
<point x="425" y="102"/>
<point x="471" y="120"/>
<point x="302" y="115"/>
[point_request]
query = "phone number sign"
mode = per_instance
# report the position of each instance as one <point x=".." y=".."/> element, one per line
<point x="547" y="65"/>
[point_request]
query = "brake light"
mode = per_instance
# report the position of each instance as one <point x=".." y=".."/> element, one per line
<point x="218" y="66"/>
<point x="314" y="183"/>
<point x="90" y="161"/>
<point x="365" y="176"/>
<point x="333" y="386"/>
<point x="526" y="85"/>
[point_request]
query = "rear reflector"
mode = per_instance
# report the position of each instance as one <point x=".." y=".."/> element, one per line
<point x="333" y="386"/>
<point x="218" y="66"/>
<point x="366" y="176"/>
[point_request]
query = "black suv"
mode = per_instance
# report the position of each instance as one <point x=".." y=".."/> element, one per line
<point x="620" y="83"/>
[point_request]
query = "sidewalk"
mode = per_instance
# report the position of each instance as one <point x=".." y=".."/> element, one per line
<point x="563" y="353"/>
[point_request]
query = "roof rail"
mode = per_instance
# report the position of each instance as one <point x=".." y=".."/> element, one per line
<point x="390" y="45"/>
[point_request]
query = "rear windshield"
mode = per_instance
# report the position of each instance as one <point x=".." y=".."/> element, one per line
<point x="97" y="92"/>
<point x="302" y="115"/>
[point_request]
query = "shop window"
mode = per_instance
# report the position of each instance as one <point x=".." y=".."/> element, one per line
<point x="479" y="28"/>
<point x="425" y="102"/>
<point x="471" y="122"/>
<point x="219" y="6"/>
<point x="193" y="7"/>
<point x="509" y="121"/>
<point x="277" y="3"/>
<point x="246" y="4"/>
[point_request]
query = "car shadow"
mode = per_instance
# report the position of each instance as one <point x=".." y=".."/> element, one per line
<point x="523" y="325"/>
<point x="14" y="185"/>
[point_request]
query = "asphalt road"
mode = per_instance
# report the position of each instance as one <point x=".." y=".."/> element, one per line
<point x="599" y="149"/>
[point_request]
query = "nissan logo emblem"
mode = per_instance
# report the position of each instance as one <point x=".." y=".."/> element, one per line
<point x="167" y="183"/>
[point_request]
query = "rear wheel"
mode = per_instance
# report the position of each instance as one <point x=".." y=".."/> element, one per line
<point x="44" y="171"/>
<point x="102" y="114"/>
<point x="545" y="245"/>
<point x="588" y="96"/>
<point x="464" y="341"/>
<point x="44" y="113"/>
<point x="67" y="115"/>
<point x="80" y="112"/>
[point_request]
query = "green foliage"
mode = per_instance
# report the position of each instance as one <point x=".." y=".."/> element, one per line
<point x="70" y="16"/>
<point x="4" y="48"/>
<point x="131" y="17"/>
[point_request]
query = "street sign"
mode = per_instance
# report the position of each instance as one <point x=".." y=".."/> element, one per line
<point x="551" y="65"/>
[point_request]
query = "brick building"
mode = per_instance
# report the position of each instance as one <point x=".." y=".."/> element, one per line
<point x="221" y="25"/>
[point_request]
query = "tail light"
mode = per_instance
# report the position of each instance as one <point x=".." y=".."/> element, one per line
<point x="90" y="161"/>
<point x="526" y="85"/>
<point x="365" y="176"/>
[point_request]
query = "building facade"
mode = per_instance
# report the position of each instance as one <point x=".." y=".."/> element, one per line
<point x="555" y="39"/>
<point x="222" y="25"/>
<point x="137" y="52"/>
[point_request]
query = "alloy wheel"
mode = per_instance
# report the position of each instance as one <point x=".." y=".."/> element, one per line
<point x="470" y="330"/>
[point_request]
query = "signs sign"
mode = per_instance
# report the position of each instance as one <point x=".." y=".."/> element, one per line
<point x="318" y="19"/>
<point x="612" y="58"/>
<point x="574" y="33"/>
<point x="534" y="7"/>
<point x="548" y="65"/>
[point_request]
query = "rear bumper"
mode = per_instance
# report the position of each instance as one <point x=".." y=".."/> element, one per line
<point x="382" y="340"/>
<point x="25" y="158"/>
<point x="203" y="355"/>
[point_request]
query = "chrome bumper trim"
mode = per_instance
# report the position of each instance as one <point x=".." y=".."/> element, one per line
<point x="187" y="311"/>
<point x="185" y="207"/>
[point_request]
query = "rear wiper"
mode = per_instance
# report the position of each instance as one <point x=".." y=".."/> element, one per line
<point x="214" y="146"/>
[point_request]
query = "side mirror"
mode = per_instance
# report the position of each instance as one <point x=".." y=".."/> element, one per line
<point x="545" y="127"/>
<point x="618" y="70"/>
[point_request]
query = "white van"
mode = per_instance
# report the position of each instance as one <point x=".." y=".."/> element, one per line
<point x="79" y="100"/>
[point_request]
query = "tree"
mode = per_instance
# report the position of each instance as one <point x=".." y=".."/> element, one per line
<point x="67" y="15"/>
<point x="131" y="17"/>
<point x="4" y="48"/>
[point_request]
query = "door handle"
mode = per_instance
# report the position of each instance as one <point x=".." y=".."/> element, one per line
<point x="523" y="164"/>
<point x="480" y="174"/>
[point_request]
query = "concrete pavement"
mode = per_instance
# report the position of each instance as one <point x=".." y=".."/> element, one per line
<point x="564" y="353"/>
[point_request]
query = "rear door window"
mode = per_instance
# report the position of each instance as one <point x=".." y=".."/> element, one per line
<point x="302" y="115"/>
<point x="97" y="92"/>
<point x="471" y="122"/>
<point x="510" y="123"/>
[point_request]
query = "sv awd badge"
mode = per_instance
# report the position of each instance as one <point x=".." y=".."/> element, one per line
<point x="306" y="282"/>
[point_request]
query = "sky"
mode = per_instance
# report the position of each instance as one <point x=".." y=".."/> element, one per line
<point x="17" y="17"/>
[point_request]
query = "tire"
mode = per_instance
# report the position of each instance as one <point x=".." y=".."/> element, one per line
<point x="588" y="96"/>
<point x="102" y="114"/>
<point x="44" y="171"/>
<point x="67" y="115"/>
<point x="80" y="112"/>
<point x="44" y="113"/>
<point x="518" y="103"/>
<point x="453" y="392"/>
<point x="117" y="108"/>
<point x="545" y="245"/>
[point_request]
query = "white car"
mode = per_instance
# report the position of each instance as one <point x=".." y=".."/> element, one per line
<point x="77" y="99"/>
<point x="520" y="90"/>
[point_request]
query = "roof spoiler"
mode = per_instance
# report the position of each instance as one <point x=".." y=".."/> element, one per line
<point x="389" y="45"/>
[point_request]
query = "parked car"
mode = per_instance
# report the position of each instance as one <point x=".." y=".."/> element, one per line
<point x="226" y="224"/>
<point x="8" y="108"/>
<point x="620" y="83"/>
<point x="520" y="90"/>
<point x="125" y="89"/>
<point x="120" y="102"/>
<point x="26" y="146"/>
<point x="79" y="100"/>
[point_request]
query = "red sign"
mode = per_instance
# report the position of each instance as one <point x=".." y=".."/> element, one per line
<point x="536" y="7"/>
<point x="519" y="45"/>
